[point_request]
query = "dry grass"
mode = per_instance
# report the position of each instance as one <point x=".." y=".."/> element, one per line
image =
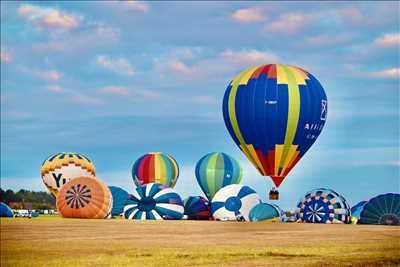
<point x="74" y="242"/>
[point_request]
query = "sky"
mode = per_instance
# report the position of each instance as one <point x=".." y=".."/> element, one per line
<point x="115" y="80"/>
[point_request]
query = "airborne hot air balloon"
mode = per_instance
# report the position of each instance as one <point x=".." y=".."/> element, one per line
<point x="84" y="197"/>
<point x="155" y="167"/>
<point x="382" y="209"/>
<point x="323" y="206"/>
<point x="60" y="168"/>
<point x="274" y="114"/>
<point x="216" y="170"/>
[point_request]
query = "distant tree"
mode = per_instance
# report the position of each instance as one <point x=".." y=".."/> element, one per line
<point x="39" y="200"/>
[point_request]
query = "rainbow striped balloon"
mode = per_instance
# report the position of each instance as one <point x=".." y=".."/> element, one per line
<point x="155" y="167"/>
<point x="216" y="170"/>
<point x="274" y="113"/>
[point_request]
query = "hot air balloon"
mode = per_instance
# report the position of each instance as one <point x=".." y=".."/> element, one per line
<point x="274" y="114"/>
<point x="382" y="209"/>
<point x="323" y="206"/>
<point x="155" y="167"/>
<point x="5" y="210"/>
<point x="234" y="202"/>
<point x="356" y="210"/>
<point x="119" y="196"/>
<point x="154" y="202"/>
<point x="84" y="197"/>
<point x="265" y="212"/>
<point x="216" y="170"/>
<point x="60" y="168"/>
<point x="197" y="208"/>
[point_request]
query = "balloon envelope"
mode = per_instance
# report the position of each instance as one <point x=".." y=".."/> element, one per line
<point x="84" y="197"/>
<point x="155" y="167"/>
<point x="382" y="209"/>
<point x="234" y="201"/>
<point x="60" y="168"/>
<point x="323" y="206"/>
<point x="119" y="196"/>
<point x="216" y="170"/>
<point x="356" y="209"/>
<point x="263" y="212"/>
<point x="5" y="210"/>
<point x="154" y="202"/>
<point x="197" y="208"/>
<point x="274" y="113"/>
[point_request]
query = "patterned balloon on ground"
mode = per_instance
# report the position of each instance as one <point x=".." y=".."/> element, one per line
<point x="274" y="113"/>
<point x="264" y="212"/>
<point x="234" y="202"/>
<point x="155" y="167"/>
<point x="216" y="170"/>
<point x="5" y="210"/>
<point x="197" y="208"/>
<point x="60" y="168"/>
<point x="119" y="196"/>
<point x="382" y="209"/>
<point x="154" y="202"/>
<point x="85" y="197"/>
<point x="356" y="210"/>
<point x="323" y="206"/>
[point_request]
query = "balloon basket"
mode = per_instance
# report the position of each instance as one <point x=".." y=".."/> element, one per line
<point x="273" y="194"/>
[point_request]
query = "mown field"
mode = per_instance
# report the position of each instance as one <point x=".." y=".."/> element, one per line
<point x="54" y="241"/>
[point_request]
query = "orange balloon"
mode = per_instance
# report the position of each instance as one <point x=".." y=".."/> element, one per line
<point x="84" y="197"/>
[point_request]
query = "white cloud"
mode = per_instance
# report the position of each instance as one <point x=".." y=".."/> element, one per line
<point x="115" y="90"/>
<point x="251" y="14"/>
<point x="249" y="56"/>
<point x="118" y="65"/>
<point x="85" y="99"/>
<point x="49" y="17"/>
<point x="55" y="89"/>
<point x="327" y="40"/>
<point x="226" y="61"/>
<point x="388" y="73"/>
<point x="136" y="6"/>
<point x="388" y="40"/>
<point x="48" y="75"/>
<point x="5" y="57"/>
<point x="287" y="23"/>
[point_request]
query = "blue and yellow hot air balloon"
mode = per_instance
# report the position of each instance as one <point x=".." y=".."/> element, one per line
<point x="216" y="170"/>
<point x="274" y="113"/>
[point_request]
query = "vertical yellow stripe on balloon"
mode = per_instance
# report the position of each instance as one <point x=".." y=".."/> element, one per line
<point x="293" y="113"/>
<point x="158" y="177"/>
<point x="242" y="78"/>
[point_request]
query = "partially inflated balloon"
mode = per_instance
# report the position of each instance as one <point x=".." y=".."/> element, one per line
<point x="216" y="170"/>
<point x="84" y="197"/>
<point x="382" y="209"/>
<point x="323" y="206"/>
<point x="60" y="168"/>
<point x="274" y="113"/>
<point x="155" y="167"/>
<point x="264" y="212"/>
<point x="197" y="208"/>
<point x="120" y="197"/>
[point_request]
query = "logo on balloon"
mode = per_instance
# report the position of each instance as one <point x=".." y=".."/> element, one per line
<point x="78" y="197"/>
<point x="324" y="105"/>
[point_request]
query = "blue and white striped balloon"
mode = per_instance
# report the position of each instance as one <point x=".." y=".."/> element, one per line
<point x="234" y="201"/>
<point x="154" y="202"/>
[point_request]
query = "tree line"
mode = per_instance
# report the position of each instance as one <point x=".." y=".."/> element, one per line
<point x="39" y="200"/>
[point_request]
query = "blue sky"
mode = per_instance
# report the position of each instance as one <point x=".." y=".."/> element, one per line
<point x="115" y="80"/>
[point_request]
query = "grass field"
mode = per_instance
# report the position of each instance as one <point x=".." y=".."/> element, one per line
<point x="54" y="241"/>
